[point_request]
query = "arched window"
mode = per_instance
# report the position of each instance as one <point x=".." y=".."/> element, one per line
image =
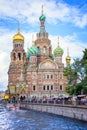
<point x="47" y="87"/>
<point x="47" y="76"/>
<point x="44" y="87"/>
<point x="44" y="50"/>
<point x="34" y="88"/>
<point x="19" y="56"/>
<point x="61" y="87"/>
<point x="51" y="87"/>
<point x="38" y="50"/>
<point x="14" y="56"/>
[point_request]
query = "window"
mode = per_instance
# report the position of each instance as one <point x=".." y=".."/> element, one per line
<point x="47" y="87"/>
<point x="51" y="87"/>
<point x="44" y="87"/>
<point x="47" y="76"/>
<point x="51" y="76"/>
<point x="14" y="56"/>
<point x="19" y="56"/>
<point x="38" y="50"/>
<point x="34" y="87"/>
<point x="44" y="50"/>
<point x="60" y="87"/>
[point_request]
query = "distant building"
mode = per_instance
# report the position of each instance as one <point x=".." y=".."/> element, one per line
<point x="38" y="72"/>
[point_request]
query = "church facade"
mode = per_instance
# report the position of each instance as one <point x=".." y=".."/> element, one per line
<point x="37" y="72"/>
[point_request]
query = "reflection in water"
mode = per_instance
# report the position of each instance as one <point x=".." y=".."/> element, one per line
<point x="31" y="120"/>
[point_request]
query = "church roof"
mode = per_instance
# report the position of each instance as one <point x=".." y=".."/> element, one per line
<point x="18" y="36"/>
<point x="58" y="50"/>
<point x="42" y="17"/>
<point x="32" y="51"/>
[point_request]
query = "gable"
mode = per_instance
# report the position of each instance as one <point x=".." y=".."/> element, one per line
<point x="48" y="64"/>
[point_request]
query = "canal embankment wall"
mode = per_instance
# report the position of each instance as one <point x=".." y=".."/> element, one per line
<point x="75" y="112"/>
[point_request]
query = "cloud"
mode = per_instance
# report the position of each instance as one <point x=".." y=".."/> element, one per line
<point x="25" y="11"/>
<point x="6" y="47"/>
<point x="4" y="60"/>
<point x="70" y="42"/>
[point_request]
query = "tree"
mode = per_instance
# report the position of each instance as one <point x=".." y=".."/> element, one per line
<point x="77" y="75"/>
<point x="84" y="62"/>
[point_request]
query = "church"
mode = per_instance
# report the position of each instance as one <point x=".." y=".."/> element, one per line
<point x="39" y="71"/>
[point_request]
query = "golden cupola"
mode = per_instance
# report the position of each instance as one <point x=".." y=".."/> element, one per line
<point x="18" y="37"/>
<point x="68" y="59"/>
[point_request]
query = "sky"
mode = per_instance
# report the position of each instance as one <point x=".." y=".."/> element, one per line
<point x="64" y="18"/>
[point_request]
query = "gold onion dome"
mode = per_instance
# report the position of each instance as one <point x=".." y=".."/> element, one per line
<point x="68" y="59"/>
<point x="18" y="36"/>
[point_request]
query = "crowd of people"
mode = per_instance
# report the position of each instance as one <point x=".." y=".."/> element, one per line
<point x="79" y="100"/>
<point x="74" y="100"/>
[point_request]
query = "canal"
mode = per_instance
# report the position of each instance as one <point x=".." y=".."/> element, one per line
<point x="31" y="120"/>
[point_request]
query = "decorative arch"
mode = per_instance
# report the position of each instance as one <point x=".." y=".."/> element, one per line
<point x="48" y="64"/>
<point x="19" y="56"/>
<point x="14" y="56"/>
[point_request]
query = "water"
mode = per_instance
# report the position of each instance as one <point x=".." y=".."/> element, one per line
<point x="31" y="120"/>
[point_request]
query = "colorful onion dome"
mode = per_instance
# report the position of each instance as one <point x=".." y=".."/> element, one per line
<point x="68" y="59"/>
<point x="32" y="51"/>
<point x="42" y="17"/>
<point x="58" y="50"/>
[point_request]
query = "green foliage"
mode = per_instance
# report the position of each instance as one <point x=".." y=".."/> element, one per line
<point x="77" y="76"/>
<point x="69" y="89"/>
<point x="84" y="60"/>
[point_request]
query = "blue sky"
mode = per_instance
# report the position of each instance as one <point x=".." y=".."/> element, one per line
<point x="64" y="18"/>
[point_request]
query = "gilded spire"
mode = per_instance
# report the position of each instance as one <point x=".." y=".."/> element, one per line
<point x="18" y="27"/>
<point x="18" y="36"/>
<point x="42" y="9"/>
<point x="68" y="59"/>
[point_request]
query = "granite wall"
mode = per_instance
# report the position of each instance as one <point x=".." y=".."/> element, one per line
<point x="76" y="112"/>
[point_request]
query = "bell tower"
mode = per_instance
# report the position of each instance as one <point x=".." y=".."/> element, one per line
<point x="42" y="42"/>
<point x="18" y="58"/>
